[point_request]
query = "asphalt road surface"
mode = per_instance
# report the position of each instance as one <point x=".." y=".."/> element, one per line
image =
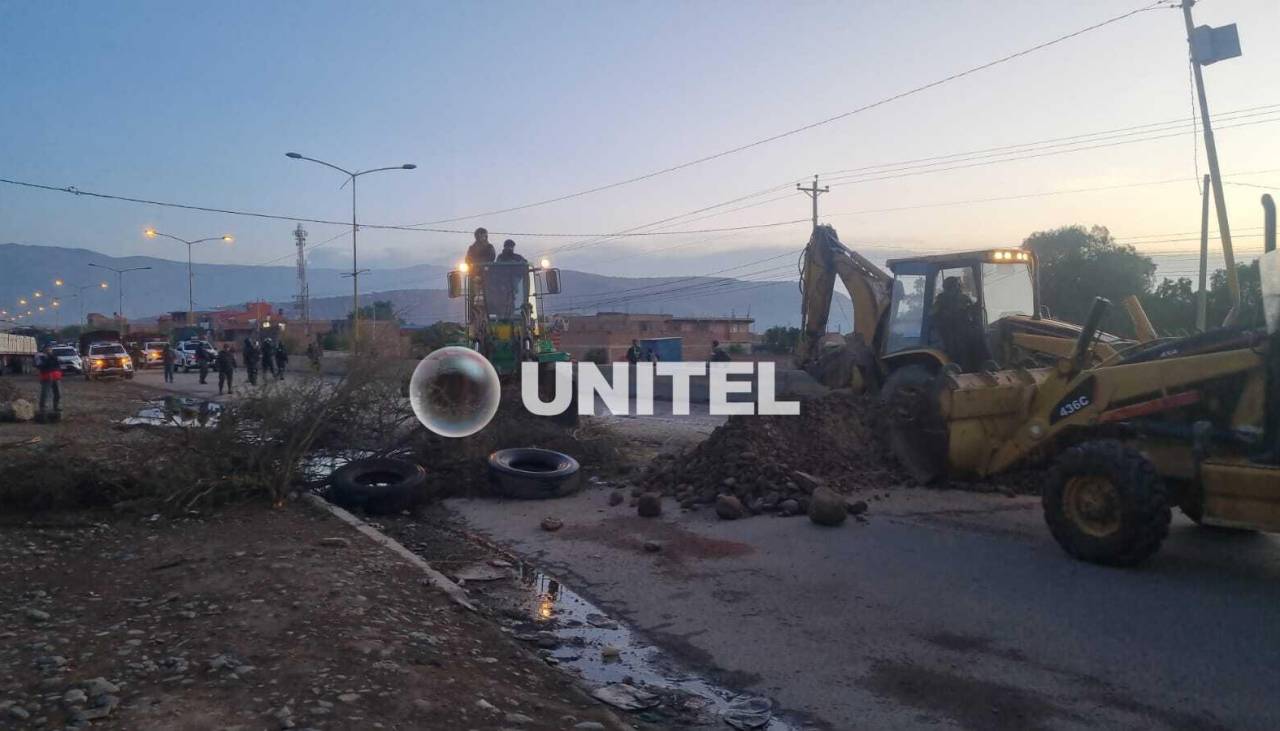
<point x="944" y="610"/>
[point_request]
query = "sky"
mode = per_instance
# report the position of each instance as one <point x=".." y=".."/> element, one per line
<point x="500" y="104"/>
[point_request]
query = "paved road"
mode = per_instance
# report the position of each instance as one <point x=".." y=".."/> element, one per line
<point x="944" y="610"/>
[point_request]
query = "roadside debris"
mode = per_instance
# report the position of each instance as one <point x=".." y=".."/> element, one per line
<point x="749" y="712"/>
<point x="551" y="525"/>
<point x="729" y="507"/>
<point x="626" y="697"/>
<point x="649" y="505"/>
<point x="765" y="461"/>
<point x="826" y="507"/>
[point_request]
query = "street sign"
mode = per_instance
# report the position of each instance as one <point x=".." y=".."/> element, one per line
<point x="1210" y="45"/>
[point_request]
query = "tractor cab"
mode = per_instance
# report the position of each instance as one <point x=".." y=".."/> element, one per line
<point x="967" y="307"/>
<point x="504" y="314"/>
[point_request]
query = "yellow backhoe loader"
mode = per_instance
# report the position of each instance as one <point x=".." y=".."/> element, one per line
<point x="961" y="312"/>
<point x="1192" y="422"/>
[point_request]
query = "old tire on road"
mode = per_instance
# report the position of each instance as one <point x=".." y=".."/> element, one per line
<point x="378" y="485"/>
<point x="1104" y="503"/>
<point x="528" y="473"/>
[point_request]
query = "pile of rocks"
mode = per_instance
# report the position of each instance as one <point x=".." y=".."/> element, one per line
<point x="774" y="463"/>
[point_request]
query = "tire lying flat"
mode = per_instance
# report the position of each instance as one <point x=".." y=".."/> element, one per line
<point x="527" y="473"/>
<point x="379" y="485"/>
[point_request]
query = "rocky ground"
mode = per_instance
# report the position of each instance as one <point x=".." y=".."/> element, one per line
<point x="252" y="618"/>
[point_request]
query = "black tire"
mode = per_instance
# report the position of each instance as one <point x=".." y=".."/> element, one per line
<point x="1104" y="503"/>
<point x="379" y="485"/>
<point x="527" y="473"/>
<point x="917" y="434"/>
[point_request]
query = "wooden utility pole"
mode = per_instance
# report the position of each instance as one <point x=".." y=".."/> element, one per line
<point x="813" y="192"/>
<point x="1202" y="298"/>
<point x="1211" y="152"/>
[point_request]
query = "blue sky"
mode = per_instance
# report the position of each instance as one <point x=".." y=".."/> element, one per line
<point x="503" y="103"/>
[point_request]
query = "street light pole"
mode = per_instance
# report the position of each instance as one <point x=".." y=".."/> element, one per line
<point x="120" y="284"/>
<point x="151" y="233"/>
<point x="355" y="265"/>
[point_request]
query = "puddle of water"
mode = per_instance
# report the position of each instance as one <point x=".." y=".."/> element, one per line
<point x="585" y="641"/>
<point x="178" y="411"/>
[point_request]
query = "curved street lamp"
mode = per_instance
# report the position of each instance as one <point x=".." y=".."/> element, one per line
<point x="151" y="233"/>
<point x="355" y="268"/>
<point x="119" y="285"/>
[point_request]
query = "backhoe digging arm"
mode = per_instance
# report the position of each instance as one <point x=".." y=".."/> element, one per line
<point x="824" y="259"/>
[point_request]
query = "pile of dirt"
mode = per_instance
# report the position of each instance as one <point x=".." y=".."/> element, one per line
<point x="765" y="460"/>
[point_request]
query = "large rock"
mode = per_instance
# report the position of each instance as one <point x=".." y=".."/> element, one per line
<point x="649" y="505"/>
<point x="729" y="507"/>
<point x="826" y="507"/>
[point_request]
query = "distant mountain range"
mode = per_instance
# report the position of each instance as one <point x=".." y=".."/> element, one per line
<point x="417" y="293"/>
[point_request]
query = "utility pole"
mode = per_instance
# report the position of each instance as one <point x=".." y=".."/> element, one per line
<point x="1211" y="152"/>
<point x="1202" y="298"/>
<point x="300" y="237"/>
<point x="813" y="192"/>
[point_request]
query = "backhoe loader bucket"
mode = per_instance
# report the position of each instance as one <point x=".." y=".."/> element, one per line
<point x="955" y="426"/>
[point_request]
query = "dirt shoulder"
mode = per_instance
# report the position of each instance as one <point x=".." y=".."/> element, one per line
<point x="251" y="618"/>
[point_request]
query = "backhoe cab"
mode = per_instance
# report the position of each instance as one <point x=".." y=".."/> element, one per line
<point x="968" y="311"/>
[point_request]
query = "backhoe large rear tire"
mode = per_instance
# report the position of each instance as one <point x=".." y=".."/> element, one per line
<point x="1104" y="503"/>
<point x="917" y="434"/>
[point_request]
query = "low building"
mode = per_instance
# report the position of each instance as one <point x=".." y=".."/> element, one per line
<point x="612" y="332"/>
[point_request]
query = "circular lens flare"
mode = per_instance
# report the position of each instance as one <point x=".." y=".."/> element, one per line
<point x="455" y="391"/>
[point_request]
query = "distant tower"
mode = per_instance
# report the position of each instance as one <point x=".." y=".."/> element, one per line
<point x="300" y="237"/>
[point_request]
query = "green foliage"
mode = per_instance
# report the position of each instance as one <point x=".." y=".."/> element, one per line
<point x="437" y="335"/>
<point x="334" y="341"/>
<point x="381" y="310"/>
<point x="1079" y="264"/>
<point x="737" y="349"/>
<point x="780" y="339"/>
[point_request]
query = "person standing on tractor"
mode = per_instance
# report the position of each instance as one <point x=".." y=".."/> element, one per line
<point x="509" y="255"/>
<point x="226" y="364"/>
<point x="50" y="379"/>
<point x="480" y="251"/>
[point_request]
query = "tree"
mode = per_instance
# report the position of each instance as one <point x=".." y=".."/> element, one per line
<point x="1172" y="307"/>
<point x="1079" y="264"/>
<point x="438" y="335"/>
<point x="780" y="339"/>
<point x="381" y="310"/>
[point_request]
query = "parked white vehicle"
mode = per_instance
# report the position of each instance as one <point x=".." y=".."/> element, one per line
<point x="185" y="357"/>
<point x="68" y="358"/>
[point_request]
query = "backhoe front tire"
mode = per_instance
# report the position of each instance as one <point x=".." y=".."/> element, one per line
<point x="917" y="434"/>
<point x="1104" y="503"/>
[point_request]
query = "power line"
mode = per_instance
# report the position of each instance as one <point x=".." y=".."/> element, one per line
<point x="1019" y="196"/>
<point x="1233" y="114"/>
<point x="1032" y="155"/>
<point x="277" y="217"/>
<point x="835" y="118"/>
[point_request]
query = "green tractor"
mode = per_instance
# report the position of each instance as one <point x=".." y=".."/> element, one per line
<point x="506" y="320"/>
